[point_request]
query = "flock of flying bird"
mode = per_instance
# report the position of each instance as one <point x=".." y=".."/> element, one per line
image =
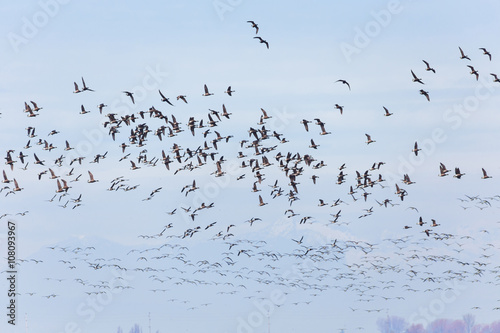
<point x="237" y="264"/>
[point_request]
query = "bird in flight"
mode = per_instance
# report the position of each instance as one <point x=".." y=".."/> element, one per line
<point x="344" y="82"/>
<point x="474" y="72"/>
<point x="415" y="78"/>
<point x="207" y="93"/>
<point x="131" y="95"/>
<point x="182" y="98"/>
<point x="229" y="91"/>
<point x="91" y="178"/>
<point x="85" y="88"/>
<point x="163" y="98"/>
<point x="254" y="25"/>
<point x="495" y="77"/>
<point x="485" y="175"/>
<point x="387" y="113"/>
<point x="262" y="41"/>
<point x="77" y="90"/>
<point x="426" y="94"/>
<point x="369" y="139"/>
<point x="416" y="149"/>
<point x="462" y="54"/>
<point x="485" y="52"/>
<point x="429" y="68"/>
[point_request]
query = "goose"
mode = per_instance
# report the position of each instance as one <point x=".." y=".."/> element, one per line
<point x="207" y="93"/>
<point x="462" y="54"/>
<point x="85" y="88"/>
<point x="416" y="149"/>
<point x="5" y="179"/>
<point x="485" y="52"/>
<point x="344" y="82"/>
<point x="229" y="91"/>
<point x="369" y="139"/>
<point x="264" y="114"/>
<point x="224" y="112"/>
<point x="52" y="174"/>
<point x="495" y="77"/>
<point x="68" y="147"/>
<point x="485" y="175"/>
<point x="83" y="111"/>
<point x="458" y="174"/>
<point x="182" y="98"/>
<point x="323" y="131"/>
<point x="420" y="221"/>
<point x="77" y="90"/>
<point x="35" y="107"/>
<point x="37" y="160"/>
<point x="133" y="166"/>
<point x="429" y="68"/>
<point x="261" y="202"/>
<point x="425" y="93"/>
<point x="434" y="223"/>
<point x="65" y="186"/>
<point x="313" y="145"/>
<point x="262" y="41"/>
<point x="9" y="160"/>
<point x="101" y="106"/>
<point x="415" y="78"/>
<point x="163" y="98"/>
<point x="322" y="203"/>
<point x="91" y="178"/>
<point x="59" y="187"/>
<point x="474" y="72"/>
<point x="387" y="113"/>
<point x="305" y="123"/>
<point x="254" y="25"/>
<point x="339" y="107"/>
<point x="131" y="95"/>
<point x="442" y="170"/>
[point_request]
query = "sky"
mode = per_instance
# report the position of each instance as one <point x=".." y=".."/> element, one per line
<point x="116" y="257"/>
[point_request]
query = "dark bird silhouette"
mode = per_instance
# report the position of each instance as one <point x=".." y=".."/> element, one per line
<point x="131" y="95"/>
<point x="474" y="72"/>
<point x="429" y="68"/>
<point x="206" y="93"/>
<point x="85" y="88"/>
<point x="387" y="113"/>
<point x="426" y="94"/>
<point x="415" y="78"/>
<point x="254" y="25"/>
<point x="485" y="52"/>
<point x="163" y="98"/>
<point x="344" y="82"/>
<point x="416" y="149"/>
<point x="262" y="41"/>
<point x="462" y="54"/>
<point x="229" y="91"/>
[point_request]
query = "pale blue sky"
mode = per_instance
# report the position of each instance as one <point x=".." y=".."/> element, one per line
<point x="180" y="46"/>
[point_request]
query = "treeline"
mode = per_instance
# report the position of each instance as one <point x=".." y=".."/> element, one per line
<point x="467" y="324"/>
